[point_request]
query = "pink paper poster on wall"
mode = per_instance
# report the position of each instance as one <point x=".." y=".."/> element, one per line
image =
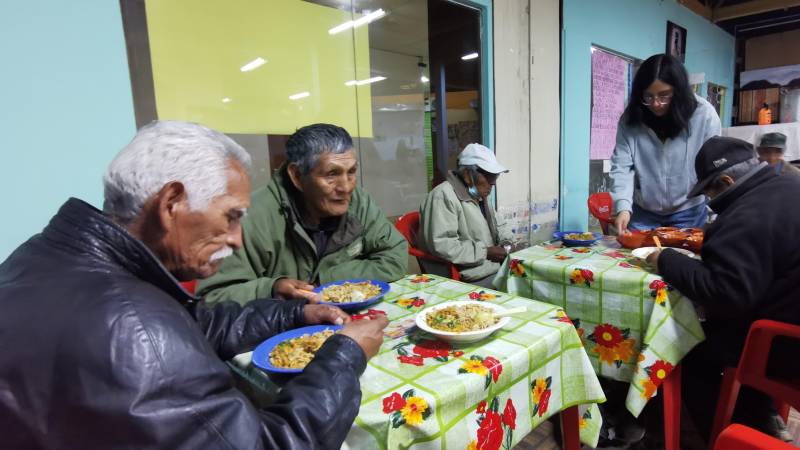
<point x="609" y="83"/>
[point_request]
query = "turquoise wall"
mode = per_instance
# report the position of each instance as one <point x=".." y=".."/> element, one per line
<point x="636" y="28"/>
<point x="67" y="107"/>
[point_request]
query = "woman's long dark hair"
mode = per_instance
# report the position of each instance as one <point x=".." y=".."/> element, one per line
<point x="669" y="70"/>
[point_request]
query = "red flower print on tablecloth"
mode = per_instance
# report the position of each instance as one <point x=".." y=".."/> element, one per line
<point x="659" y="291"/>
<point x="552" y="247"/>
<point x="613" y="346"/>
<point x="510" y="415"/>
<point x="494" y="429"/>
<point x="407" y="409"/>
<point x="540" y="393"/>
<point x="482" y="296"/>
<point x="656" y="374"/>
<point x="562" y="257"/>
<point x="424" y="348"/>
<point x="615" y="254"/>
<point x="419" y="279"/>
<point x="582" y="250"/>
<point x="410" y="302"/>
<point x="627" y="265"/>
<point x="562" y="316"/>
<point x="517" y="268"/>
<point x="489" y="367"/>
<point x="581" y="277"/>
<point x="371" y="313"/>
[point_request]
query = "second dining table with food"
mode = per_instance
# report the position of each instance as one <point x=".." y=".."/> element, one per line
<point x="461" y="367"/>
<point x="636" y="327"/>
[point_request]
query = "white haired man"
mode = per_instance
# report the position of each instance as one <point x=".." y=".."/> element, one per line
<point x="102" y="347"/>
<point x="311" y="224"/>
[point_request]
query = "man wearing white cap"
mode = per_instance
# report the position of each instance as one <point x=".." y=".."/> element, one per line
<point x="458" y="224"/>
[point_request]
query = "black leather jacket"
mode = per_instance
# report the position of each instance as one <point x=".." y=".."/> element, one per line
<point x="101" y="348"/>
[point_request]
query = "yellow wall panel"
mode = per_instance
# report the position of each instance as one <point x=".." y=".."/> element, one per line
<point x="198" y="46"/>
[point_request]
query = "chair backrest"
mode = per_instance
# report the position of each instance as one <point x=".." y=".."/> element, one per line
<point x="189" y="286"/>
<point x="600" y="206"/>
<point x="752" y="369"/>
<point x="740" y="437"/>
<point x="407" y="225"/>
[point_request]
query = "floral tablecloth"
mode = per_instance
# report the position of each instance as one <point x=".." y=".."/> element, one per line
<point x="635" y="327"/>
<point x="422" y="393"/>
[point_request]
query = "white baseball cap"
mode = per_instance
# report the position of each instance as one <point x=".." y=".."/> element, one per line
<point x="481" y="156"/>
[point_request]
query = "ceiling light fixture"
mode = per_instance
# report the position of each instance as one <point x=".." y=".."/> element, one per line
<point x="424" y="79"/>
<point x="226" y="100"/>
<point x="363" y="20"/>
<point x="469" y="56"/>
<point x="254" y="64"/>
<point x="299" y="95"/>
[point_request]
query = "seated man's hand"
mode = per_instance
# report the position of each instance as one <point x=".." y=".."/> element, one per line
<point x="652" y="259"/>
<point x="315" y="314"/>
<point x="367" y="333"/>
<point x="290" y="289"/>
<point x="496" y="254"/>
<point x="621" y="222"/>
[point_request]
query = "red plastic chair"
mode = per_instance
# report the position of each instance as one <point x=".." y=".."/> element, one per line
<point x="740" y="437"/>
<point x="408" y="225"/>
<point x="752" y="372"/>
<point x="600" y="206"/>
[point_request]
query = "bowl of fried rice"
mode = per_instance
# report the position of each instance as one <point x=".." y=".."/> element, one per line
<point x="462" y="321"/>
<point x="352" y="294"/>
<point x="291" y="351"/>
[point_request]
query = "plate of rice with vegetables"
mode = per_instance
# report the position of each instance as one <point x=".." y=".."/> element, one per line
<point x="462" y="321"/>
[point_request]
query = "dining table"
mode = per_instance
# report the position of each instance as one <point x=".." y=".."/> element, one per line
<point x="424" y="393"/>
<point x="635" y="327"/>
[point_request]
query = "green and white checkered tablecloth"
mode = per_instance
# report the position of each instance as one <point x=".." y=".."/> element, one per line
<point x="422" y="393"/>
<point x="634" y="326"/>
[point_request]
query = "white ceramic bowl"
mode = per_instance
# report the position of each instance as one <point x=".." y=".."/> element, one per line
<point x="466" y="336"/>
<point x="643" y="252"/>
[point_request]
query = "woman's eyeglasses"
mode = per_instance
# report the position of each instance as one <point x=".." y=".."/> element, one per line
<point x="650" y="100"/>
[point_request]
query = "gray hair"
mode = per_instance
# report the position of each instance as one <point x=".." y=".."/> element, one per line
<point x="167" y="151"/>
<point x="472" y="169"/>
<point x="308" y="143"/>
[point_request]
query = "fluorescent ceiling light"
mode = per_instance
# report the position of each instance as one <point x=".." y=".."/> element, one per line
<point x="365" y="19"/>
<point x="364" y="81"/>
<point x="469" y="56"/>
<point x="299" y="95"/>
<point x="226" y="100"/>
<point x="370" y="80"/>
<point x="254" y="64"/>
<point x="424" y="79"/>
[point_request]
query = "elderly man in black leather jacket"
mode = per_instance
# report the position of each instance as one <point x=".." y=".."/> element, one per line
<point x="100" y="347"/>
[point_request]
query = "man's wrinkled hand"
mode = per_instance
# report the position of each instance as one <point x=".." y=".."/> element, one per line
<point x="316" y="314"/>
<point x="367" y="333"/>
<point x="652" y="258"/>
<point x="291" y="289"/>
<point x="496" y="254"/>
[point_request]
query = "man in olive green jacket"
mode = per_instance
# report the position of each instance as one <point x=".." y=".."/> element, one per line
<point x="458" y="224"/>
<point x="310" y="225"/>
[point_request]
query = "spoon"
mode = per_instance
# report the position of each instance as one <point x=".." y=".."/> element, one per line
<point x="658" y="242"/>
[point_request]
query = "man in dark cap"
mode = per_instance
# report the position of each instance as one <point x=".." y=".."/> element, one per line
<point x="771" y="149"/>
<point x="749" y="270"/>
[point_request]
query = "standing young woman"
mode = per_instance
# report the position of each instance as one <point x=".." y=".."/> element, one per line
<point x="659" y="134"/>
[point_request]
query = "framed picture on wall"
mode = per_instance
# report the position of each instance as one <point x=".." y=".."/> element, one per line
<point x="676" y="41"/>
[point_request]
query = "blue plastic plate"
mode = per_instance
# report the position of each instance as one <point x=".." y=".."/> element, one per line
<point x="576" y="243"/>
<point x="261" y="353"/>
<point x="356" y="305"/>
